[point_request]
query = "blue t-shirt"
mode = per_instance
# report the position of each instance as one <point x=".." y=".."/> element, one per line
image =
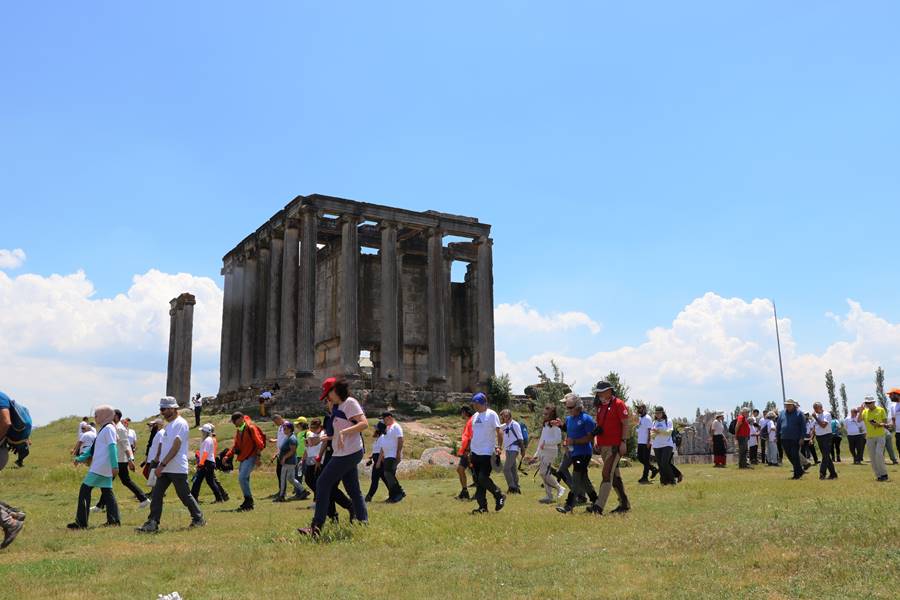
<point x="289" y="441"/>
<point x="578" y="427"/>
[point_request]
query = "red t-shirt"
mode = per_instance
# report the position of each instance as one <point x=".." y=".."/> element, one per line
<point x="609" y="417"/>
<point x="742" y="429"/>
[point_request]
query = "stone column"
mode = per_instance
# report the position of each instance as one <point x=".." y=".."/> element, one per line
<point x="306" y="321"/>
<point x="263" y="266"/>
<point x="227" y="322"/>
<point x="436" y="299"/>
<point x="287" y="357"/>
<point x="170" y="369"/>
<point x="273" y="314"/>
<point x="236" y="311"/>
<point x="349" y="297"/>
<point x="485" y="326"/>
<point x="389" y="353"/>
<point x="185" y="333"/>
<point x="248" y="333"/>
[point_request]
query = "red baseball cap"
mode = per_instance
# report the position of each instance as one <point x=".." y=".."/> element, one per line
<point x="327" y="386"/>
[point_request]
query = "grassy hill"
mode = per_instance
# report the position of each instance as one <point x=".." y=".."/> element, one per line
<point x="721" y="534"/>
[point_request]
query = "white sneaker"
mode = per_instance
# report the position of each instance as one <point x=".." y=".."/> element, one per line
<point x="145" y="503"/>
<point x="562" y="492"/>
<point x="96" y="509"/>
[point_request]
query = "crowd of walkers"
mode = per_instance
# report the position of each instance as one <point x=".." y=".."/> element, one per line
<point x="319" y="457"/>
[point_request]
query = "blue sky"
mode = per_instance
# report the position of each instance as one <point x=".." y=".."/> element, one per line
<point x="631" y="158"/>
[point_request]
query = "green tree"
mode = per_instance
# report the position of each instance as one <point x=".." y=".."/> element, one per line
<point x="500" y="391"/>
<point x="771" y="406"/>
<point x="832" y="398"/>
<point x="879" y="388"/>
<point x="620" y="389"/>
<point x="844" y="400"/>
<point x="553" y="388"/>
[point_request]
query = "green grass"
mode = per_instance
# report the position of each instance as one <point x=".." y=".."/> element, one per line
<point x="721" y="534"/>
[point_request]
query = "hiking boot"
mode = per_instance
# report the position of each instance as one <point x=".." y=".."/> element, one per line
<point x="644" y="482"/>
<point x="832" y="476"/>
<point x="581" y="500"/>
<point x="112" y="524"/>
<point x="593" y="509"/>
<point x="654" y="473"/>
<point x="247" y="505"/>
<point x="75" y="526"/>
<point x="464" y="495"/>
<point x="11" y="534"/>
<point x="564" y="509"/>
<point x="301" y="495"/>
<point x="313" y="531"/>
<point x="620" y="510"/>
<point x="500" y="503"/>
<point x="480" y="511"/>
<point x="397" y="499"/>
<point x="198" y="522"/>
<point x="279" y="499"/>
<point x="149" y="527"/>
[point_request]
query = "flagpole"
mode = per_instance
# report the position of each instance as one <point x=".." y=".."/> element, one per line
<point x="780" y="363"/>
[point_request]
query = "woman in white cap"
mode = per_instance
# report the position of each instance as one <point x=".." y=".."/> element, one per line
<point x="206" y="465"/>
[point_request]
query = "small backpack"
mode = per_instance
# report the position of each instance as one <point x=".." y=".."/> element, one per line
<point x="20" y="430"/>
<point x="732" y="427"/>
<point x="525" y="437"/>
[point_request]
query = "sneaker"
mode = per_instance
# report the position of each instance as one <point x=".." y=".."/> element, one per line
<point x="198" y="522"/>
<point x="112" y="524"/>
<point x="312" y="532"/>
<point x="546" y="500"/>
<point x="500" y="503"/>
<point x="832" y="476"/>
<point x="301" y="495"/>
<point x="11" y="534"/>
<point x="654" y="473"/>
<point x="75" y="526"/>
<point x="464" y="495"/>
<point x="278" y="499"/>
<point x="480" y="511"/>
<point x="593" y="509"/>
<point x="96" y="509"/>
<point x="148" y="527"/>
<point x="644" y="482"/>
<point x="564" y="509"/>
<point x="144" y="503"/>
<point x="620" y="510"/>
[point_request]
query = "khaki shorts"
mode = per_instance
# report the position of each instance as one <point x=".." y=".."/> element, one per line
<point x="608" y="453"/>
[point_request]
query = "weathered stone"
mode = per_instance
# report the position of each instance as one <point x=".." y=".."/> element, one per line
<point x="178" y="376"/>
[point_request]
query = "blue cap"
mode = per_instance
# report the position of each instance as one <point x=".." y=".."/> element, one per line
<point x="479" y="398"/>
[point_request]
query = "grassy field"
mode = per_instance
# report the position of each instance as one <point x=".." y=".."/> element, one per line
<point x="721" y="534"/>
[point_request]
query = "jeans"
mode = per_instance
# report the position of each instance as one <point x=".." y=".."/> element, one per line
<point x="84" y="505"/>
<point x="179" y="480"/>
<point x="876" y="455"/>
<point x="390" y="477"/>
<point x="825" y="448"/>
<point x="288" y="474"/>
<point x="207" y="473"/>
<point x="125" y="478"/>
<point x="483" y="481"/>
<point x="509" y="469"/>
<point x="644" y="458"/>
<point x="743" y="445"/>
<point x="581" y="483"/>
<point x="340" y="469"/>
<point x="244" y="472"/>
<point x="792" y="450"/>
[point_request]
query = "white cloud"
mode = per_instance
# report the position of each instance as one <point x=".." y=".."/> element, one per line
<point x="521" y="317"/>
<point x="719" y="352"/>
<point x="11" y="259"/>
<point x="62" y="350"/>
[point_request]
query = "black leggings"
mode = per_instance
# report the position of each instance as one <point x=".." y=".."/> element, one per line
<point x="207" y="473"/>
<point x="377" y="476"/>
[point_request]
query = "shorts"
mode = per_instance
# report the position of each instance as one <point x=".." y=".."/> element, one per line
<point x="464" y="461"/>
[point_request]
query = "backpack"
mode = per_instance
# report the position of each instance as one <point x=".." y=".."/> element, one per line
<point x="20" y="430"/>
<point x="259" y="438"/>
<point x="676" y="437"/>
<point x="525" y="437"/>
<point x="732" y="427"/>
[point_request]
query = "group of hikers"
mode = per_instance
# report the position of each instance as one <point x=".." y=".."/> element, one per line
<point x="321" y="456"/>
<point x="768" y="438"/>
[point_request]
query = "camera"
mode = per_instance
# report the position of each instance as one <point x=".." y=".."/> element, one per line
<point x="598" y="431"/>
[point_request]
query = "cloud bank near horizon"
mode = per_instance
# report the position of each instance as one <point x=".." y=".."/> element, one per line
<point x="63" y="350"/>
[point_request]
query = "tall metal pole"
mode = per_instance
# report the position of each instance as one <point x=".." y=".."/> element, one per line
<point x="780" y="363"/>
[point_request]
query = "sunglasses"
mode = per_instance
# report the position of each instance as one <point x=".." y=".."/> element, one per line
<point x="570" y="407"/>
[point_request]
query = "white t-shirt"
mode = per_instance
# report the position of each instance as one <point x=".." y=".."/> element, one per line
<point x="86" y="439"/>
<point x="123" y="445"/>
<point x="312" y="447"/>
<point x="100" y="461"/>
<point x="826" y="416"/>
<point x="718" y="427"/>
<point x="341" y="415"/>
<point x="484" y="432"/>
<point x="197" y="402"/>
<point x="376" y="445"/>
<point x="551" y="438"/>
<point x="132" y="437"/>
<point x="390" y="440"/>
<point x="643" y="429"/>
<point x="662" y="440"/>
<point x="809" y="427"/>
<point x="176" y="429"/>
<point x="155" y="444"/>
<point x="280" y="436"/>
<point x="208" y="445"/>
<point x="762" y="422"/>
<point x="853" y="427"/>
<point x="754" y="436"/>
<point x="895" y="414"/>
<point x="512" y="434"/>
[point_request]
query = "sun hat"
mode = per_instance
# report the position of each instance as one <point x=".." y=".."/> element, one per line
<point x="790" y="401"/>
<point x="300" y="421"/>
<point x="479" y="398"/>
<point x="602" y="386"/>
<point x="869" y="400"/>
<point x="894" y="391"/>
<point x="327" y="386"/>
<point x="168" y="402"/>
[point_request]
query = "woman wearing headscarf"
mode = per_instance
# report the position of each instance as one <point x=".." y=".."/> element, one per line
<point x="103" y="458"/>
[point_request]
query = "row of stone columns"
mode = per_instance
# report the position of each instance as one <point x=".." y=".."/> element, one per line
<point x="181" y="325"/>
<point x="268" y="322"/>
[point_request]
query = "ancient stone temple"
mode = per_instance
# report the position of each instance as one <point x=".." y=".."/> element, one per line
<point x="326" y="281"/>
<point x="181" y="325"/>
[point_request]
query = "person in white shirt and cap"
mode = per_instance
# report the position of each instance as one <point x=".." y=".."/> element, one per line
<point x="172" y="469"/>
<point x="206" y="465"/>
